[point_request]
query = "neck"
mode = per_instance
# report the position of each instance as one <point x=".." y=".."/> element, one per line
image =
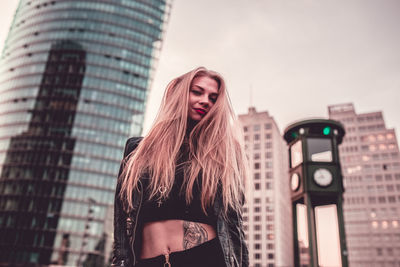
<point x="190" y="125"/>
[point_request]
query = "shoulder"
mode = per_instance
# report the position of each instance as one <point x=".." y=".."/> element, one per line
<point x="131" y="144"/>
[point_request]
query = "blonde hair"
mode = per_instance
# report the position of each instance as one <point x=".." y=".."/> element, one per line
<point x="215" y="149"/>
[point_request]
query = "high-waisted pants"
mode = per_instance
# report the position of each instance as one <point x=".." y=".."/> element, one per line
<point x="207" y="254"/>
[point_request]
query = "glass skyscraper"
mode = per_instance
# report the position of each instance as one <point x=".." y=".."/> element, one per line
<point x="74" y="79"/>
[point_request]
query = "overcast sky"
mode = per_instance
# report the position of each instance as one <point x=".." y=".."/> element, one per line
<point x="297" y="56"/>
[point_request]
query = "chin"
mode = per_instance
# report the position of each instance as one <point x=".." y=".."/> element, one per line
<point x="195" y="117"/>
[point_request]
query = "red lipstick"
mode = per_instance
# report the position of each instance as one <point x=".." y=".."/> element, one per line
<point x="200" y="111"/>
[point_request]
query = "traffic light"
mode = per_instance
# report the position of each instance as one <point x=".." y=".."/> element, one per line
<point x="314" y="127"/>
<point x="327" y="130"/>
<point x="320" y="129"/>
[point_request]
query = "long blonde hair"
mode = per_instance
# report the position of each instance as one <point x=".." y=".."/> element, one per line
<point x="215" y="149"/>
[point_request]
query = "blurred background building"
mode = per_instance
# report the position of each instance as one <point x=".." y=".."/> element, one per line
<point x="370" y="162"/>
<point x="267" y="212"/>
<point x="74" y="80"/>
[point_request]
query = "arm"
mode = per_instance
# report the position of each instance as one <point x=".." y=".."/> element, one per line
<point x="122" y="253"/>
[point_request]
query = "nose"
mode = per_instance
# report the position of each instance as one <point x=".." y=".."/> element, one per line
<point x="204" y="100"/>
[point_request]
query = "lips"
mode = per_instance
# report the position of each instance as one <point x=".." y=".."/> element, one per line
<point x="200" y="111"/>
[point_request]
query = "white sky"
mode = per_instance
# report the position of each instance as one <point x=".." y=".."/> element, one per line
<point x="297" y="56"/>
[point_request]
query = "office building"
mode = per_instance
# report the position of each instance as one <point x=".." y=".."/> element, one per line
<point x="74" y="80"/>
<point x="370" y="163"/>
<point x="267" y="212"/>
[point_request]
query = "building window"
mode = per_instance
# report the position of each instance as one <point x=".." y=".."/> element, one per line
<point x="257" y="218"/>
<point x="256" y="146"/>
<point x="267" y="126"/>
<point x="257" y="236"/>
<point x="257" y="186"/>
<point x="256" y="176"/>
<point x="270" y="256"/>
<point x="256" y="155"/>
<point x="257" y="200"/>
<point x="257" y="246"/>
<point x="257" y="137"/>
<point x="245" y="129"/>
<point x="268" y="136"/>
<point x="256" y="127"/>
<point x="257" y="227"/>
<point x="257" y="165"/>
<point x="268" y="185"/>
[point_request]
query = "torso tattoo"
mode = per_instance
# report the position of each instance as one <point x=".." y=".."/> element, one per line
<point x="193" y="234"/>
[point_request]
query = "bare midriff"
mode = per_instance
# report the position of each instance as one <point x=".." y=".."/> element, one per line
<point x="164" y="237"/>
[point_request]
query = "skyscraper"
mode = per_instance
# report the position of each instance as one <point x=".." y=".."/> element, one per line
<point x="267" y="212"/>
<point x="74" y="80"/>
<point x="370" y="163"/>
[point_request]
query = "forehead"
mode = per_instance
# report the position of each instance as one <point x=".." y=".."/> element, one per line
<point x="206" y="83"/>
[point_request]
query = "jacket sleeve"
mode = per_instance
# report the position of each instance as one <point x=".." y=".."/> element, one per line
<point x="244" y="249"/>
<point x="237" y="236"/>
<point x="122" y="253"/>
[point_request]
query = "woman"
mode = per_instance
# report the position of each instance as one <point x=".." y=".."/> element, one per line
<point x="180" y="189"/>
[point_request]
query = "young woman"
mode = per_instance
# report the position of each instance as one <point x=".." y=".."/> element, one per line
<point x="180" y="188"/>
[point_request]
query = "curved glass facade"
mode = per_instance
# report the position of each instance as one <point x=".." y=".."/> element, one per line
<point x="74" y="79"/>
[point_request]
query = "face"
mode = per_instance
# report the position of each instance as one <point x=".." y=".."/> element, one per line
<point x="202" y="96"/>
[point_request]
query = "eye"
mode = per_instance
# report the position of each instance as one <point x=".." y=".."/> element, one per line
<point x="195" y="92"/>
<point x="213" y="99"/>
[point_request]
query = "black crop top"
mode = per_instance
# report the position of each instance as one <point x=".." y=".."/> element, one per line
<point x="174" y="207"/>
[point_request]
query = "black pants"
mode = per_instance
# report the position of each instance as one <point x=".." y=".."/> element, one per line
<point x="208" y="254"/>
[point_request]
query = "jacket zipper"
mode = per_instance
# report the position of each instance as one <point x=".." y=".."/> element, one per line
<point x="136" y="222"/>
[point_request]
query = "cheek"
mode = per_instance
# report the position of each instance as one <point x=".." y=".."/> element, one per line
<point x="192" y="99"/>
<point x="212" y="103"/>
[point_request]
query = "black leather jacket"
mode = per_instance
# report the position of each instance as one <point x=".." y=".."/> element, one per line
<point x="127" y="238"/>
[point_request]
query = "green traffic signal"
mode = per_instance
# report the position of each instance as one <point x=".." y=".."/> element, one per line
<point x="326" y="130"/>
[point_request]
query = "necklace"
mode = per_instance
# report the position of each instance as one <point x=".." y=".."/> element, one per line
<point x="161" y="190"/>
